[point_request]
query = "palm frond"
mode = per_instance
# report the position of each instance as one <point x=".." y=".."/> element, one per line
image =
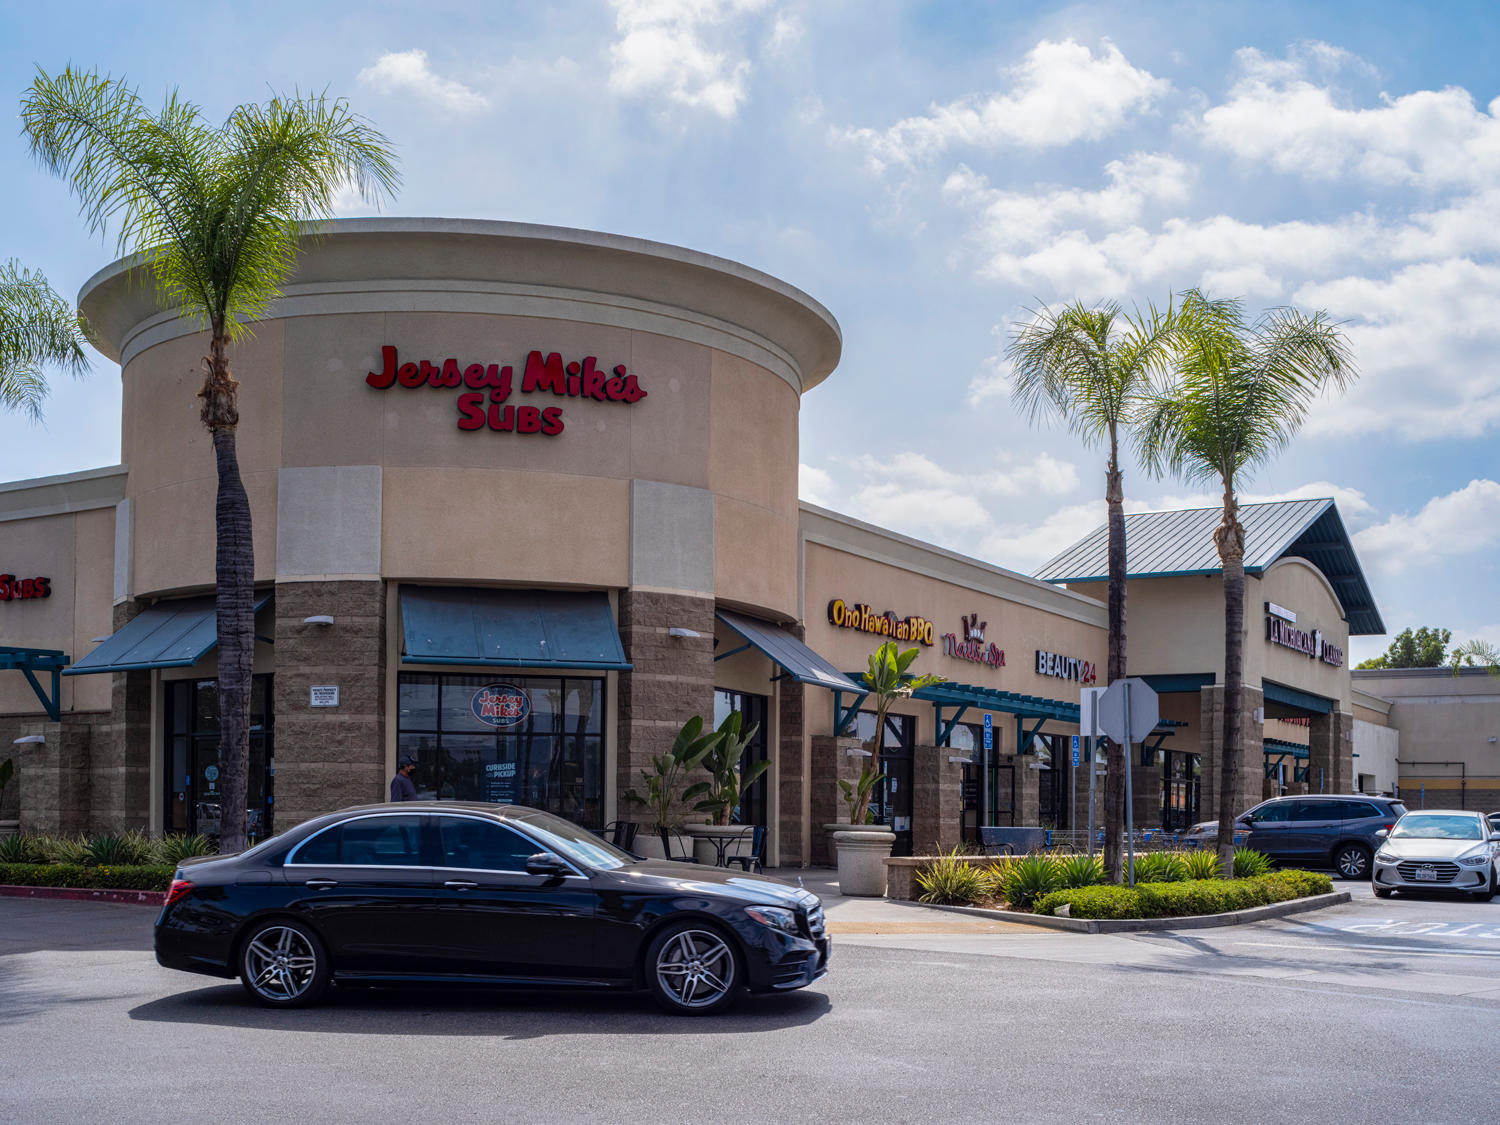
<point x="38" y="329"/>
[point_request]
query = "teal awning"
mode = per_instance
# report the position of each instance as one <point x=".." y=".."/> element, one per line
<point x="1279" y="747"/>
<point x="173" y="634"/>
<point x="510" y="628"/>
<point x="1293" y="697"/>
<point x="786" y="652"/>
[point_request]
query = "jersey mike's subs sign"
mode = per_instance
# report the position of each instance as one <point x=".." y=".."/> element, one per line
<point x="13" y="589"/>
<point x="485" y="390"/>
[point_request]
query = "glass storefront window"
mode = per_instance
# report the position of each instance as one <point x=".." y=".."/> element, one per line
<point x="752" y="808"/>
<point x="191" y="758"/>
<point x="552" y="758"/>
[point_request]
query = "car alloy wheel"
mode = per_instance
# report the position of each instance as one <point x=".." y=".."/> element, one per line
<point x="693" y="970"/>
<point x="1353" y="861"/>
<point x="282" y="964"/>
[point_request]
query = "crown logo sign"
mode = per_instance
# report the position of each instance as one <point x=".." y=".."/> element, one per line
<point x="974" y="628"/>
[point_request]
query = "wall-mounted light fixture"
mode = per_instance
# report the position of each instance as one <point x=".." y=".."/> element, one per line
<point x="679" y="631"/>
<point x="320" y="619"/>
<point x="1260" y="715"/>
<point x="31" y="740"/>
<point x="856" y="752"/>
<point x="97" y="640"/>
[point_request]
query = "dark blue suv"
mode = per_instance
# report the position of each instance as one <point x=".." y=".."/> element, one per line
<point x="1321" y="830"/>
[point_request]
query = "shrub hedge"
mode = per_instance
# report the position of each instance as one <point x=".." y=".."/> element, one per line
<point x="143" y="877"/>
<point x="1194" y="896"/>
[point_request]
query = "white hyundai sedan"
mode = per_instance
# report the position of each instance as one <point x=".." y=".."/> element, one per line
<point x="1439" y="850"/>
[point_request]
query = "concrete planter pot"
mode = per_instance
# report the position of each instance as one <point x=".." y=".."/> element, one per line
<point x="862" y="852"/>
<point x="706" y="851"/>
<point x="649" y="845"/>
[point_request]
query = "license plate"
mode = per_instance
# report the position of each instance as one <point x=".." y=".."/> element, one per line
<point x="1426" y="874"/>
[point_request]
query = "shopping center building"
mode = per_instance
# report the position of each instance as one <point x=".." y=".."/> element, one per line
<point x="524" y="500"/>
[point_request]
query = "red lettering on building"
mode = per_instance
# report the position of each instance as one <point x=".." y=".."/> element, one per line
<point x="541" y="374"/>
<point x="13" y="589"/>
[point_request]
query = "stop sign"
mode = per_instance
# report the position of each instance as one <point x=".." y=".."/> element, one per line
<point x="1143" y="708"/>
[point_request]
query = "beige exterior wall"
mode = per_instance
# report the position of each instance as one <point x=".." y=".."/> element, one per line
<point x="1445" y="724"/>
<point x="61" y="528"/>
<point x="1299" y="586"/>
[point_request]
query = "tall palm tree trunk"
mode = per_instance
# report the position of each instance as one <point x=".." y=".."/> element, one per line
<point x="1229" y="537"/>
<point x="234" y="596"/>
<point x="1114" y="778"/>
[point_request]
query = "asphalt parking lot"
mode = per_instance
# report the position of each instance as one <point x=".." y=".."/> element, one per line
<point x="1370" y="1011"/>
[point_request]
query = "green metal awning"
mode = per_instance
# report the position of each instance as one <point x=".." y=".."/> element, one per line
<point x="1279" y="747"/>
<point x="1294" y="697"/>
<point x="510" y="628"/>
<point x="172" y="634"/>
<point x="30" y="661"/>
<point x="786" y="652"/>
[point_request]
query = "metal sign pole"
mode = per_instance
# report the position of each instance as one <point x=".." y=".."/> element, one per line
<point x="1129" y="799"/>
<point x="1092" y="701"/>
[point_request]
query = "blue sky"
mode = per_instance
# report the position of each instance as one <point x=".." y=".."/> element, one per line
<point x="928" y="171"/>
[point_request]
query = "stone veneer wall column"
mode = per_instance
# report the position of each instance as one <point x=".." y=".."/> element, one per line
<point x="329" y="757"/>
<point x="936" y="800"/>
<point x="831" y="760"/>
<point x="671" y="678"/>
<point x="1250" y="783"/>
<point x="1330" y="753"/>
<point x="120" y="759"/>
<point x="793" y="838"/>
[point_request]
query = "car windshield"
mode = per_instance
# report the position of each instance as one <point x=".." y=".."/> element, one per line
<point x="1435" y="826"/>
<point x="577" y="844"/>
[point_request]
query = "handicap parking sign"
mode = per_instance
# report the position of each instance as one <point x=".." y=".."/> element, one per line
<point x="989" y="732"/>
<point x="1075" y="751"/>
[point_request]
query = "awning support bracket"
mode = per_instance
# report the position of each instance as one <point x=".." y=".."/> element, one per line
<point x="732" y="652"/>
<point x="1024" y="737"/>
<point x="843" y="718"/>
<point x="946" y="731"/>
<point x="30" y="661"/>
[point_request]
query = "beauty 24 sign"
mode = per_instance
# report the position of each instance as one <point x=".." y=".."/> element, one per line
<point x="485" y="389"/>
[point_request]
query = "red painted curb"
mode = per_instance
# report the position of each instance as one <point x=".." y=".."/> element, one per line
<point x="88" y="894"/>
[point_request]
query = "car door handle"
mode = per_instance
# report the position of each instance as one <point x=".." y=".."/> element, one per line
<point x="460" y="885"/>
<point x="322" y="884"/>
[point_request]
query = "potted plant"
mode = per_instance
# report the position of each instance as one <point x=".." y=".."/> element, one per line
<point x="659" y="795"/>
<point x="863" y="847"/>
<point x="722" y="791"/>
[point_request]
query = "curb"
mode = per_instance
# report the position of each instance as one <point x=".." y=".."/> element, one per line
<point x="87" y="894"/>
<point x="1138" y="925"/>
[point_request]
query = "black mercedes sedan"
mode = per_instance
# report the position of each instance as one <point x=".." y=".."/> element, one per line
<point x="442" y="893"/>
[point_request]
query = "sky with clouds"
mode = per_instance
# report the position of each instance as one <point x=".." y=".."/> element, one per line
<point x="929" y="172"/>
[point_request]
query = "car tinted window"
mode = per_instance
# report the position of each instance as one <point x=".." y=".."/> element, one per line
<point x="1317" y="810"/>
<point x="1271" y="814"/>
<point x="377" y="841"/>
<point x="481" y="845"/>
<point x="1358" y="810"/>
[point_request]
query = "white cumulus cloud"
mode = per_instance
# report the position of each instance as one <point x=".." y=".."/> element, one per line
<point x="685" y="51"/>
<point x="1060" y="93"/>
<point x="409" y="73"/>
<point x="1462" y="522"/>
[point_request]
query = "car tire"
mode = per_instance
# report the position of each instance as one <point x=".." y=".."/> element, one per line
<point x="1352" y="861"/>
<point x="693" y="969"/>
<point x="1383" y="892"/>
<point x="1489" y="892"/>
<point x="284" y="964"/>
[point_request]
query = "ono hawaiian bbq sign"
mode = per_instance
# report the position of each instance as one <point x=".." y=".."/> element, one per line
<point x="485" y="388"/>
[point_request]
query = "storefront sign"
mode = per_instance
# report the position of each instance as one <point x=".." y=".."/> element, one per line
<point x="13" y="589"/>
<point x="500" y="705"/>
<point x="500" y="782"/>
<point x="1065" y="667"/>
<point x="973" y="646"/>
<point x="887" y="624"/>
<point x="1307" y="641"/>
<point x="487" y="388"/>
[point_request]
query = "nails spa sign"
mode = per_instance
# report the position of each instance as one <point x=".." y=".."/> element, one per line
<point x="485" y="389"/>
<point x="973" y="646"/>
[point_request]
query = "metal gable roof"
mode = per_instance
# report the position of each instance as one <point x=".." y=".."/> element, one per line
<point x="1170" y="544"/>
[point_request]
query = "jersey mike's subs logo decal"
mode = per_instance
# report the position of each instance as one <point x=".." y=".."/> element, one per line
<point x="485" y="389"/>
<point x="500" y="705"/>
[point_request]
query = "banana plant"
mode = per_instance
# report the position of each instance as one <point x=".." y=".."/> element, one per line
<point x="726" y="780"/>
<point x="889" y="682"/>
<point x="661" y="782"/>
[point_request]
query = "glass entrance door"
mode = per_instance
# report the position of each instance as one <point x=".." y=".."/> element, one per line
<point x="193" y="771"/>
<point x="1179" y="790"/>
<point x="890" y="803"/>
<point x="753" y="804"/>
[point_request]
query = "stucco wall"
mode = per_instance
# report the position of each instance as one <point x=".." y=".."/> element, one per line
<point x="1300" y="587"/>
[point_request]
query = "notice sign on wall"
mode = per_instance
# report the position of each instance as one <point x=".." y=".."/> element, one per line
<point x="323" y="695"/>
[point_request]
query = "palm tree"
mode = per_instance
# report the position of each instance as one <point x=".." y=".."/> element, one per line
<point x="889" y="682"/>
<point x="214" y="216"/>
<point x="37" y="329"/>
<point x="1092" y="367"/>
<point x="1239" y="393"/>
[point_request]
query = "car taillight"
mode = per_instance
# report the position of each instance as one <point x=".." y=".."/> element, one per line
<point x="1389" y="826"/>
<point x="176" y="891"/>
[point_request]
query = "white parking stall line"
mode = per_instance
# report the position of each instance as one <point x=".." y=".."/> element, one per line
<point x="1377" y="949"/>
<point x="1398" y="928"/>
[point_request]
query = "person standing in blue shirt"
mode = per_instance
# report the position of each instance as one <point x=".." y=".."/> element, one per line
<point x="402" y="788"/>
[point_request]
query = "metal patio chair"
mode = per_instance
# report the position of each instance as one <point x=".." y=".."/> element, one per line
<point x="756" y="856"/>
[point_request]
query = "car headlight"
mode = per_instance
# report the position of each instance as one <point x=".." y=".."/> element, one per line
<point x="1475" y="859"/>
<point x="775" y="917"/>
<point x="1386" y="857"/>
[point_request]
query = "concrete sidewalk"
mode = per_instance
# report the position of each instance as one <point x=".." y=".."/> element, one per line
<point x="882" y="916"/>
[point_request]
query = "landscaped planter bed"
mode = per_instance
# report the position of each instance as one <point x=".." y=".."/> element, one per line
<point x="152" y="877"/>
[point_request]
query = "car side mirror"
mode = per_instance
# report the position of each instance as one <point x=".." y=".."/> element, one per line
<point x="548" y="865"/>
<point x="1384" y="832"/>
<point x="1495" y="837"/>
